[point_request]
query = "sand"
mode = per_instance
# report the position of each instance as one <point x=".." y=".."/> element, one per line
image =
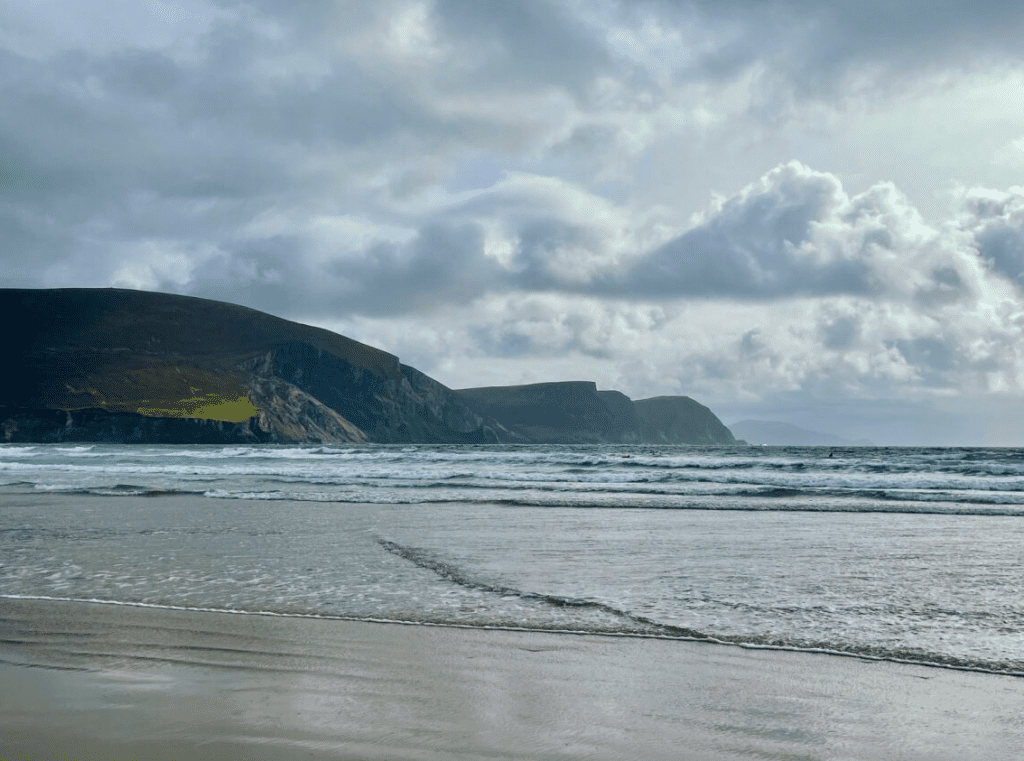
<point x="90" y="681"/>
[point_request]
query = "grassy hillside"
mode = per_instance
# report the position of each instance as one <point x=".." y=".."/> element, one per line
<point x="160" y="355"/>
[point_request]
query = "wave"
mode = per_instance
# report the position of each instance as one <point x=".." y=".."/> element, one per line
<point x="465" y="482"/>
<point x="709" y="497"/>
<point x="913" y="508"/>
<point x="643" y="502"/>
<point x="117" y="490"/>
<point x="451" y="573"/>
<point x="889" y="495"/>
<point x="903" y="656"/>
<point x="638" y="625"/>
<point x="959" y="482"/>
<point x="13" y="484"/>
<point x="496" y="475"/>
<point x="11" y="450"/>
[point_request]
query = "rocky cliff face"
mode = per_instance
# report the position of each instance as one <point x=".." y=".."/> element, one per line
<point x="287" y="413"/>
<point x="24" y="425"/>
<point x="400" y="406"/>
<point x="117" y="365"/>
<point x="132" y="366"/>
<point x="570" y="412"/>
<point x="623" y="413"/>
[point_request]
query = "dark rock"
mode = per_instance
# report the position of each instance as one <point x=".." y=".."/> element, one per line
<point x="680" y="420"/>
<point x="627" y="422"/>
<point x="93" y="425"/>
<point x="401" y="407"/>
<point x="570" y="412"/>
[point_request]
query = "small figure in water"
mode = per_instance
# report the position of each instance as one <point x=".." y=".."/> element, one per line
<point x="831" y="453"/>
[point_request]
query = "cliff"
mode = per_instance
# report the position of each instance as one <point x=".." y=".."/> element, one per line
<point x="570" y="412"/>
<point x="576" y="412"/>
<point x="134" y="366"/>
<point x="54" y="426"/>
<point x="680" y="420"/>
<point x="121" y="365"/>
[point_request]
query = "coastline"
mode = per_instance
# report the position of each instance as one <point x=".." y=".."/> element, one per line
<point x="91" y="680"/>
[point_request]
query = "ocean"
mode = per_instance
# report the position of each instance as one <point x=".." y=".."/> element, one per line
<point x="892" y="554"/>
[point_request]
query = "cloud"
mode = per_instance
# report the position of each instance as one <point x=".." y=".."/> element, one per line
<point x="208" y="114"/>
<point x="442" y="264"/>
<point x="816" y="45"/>
<point x="524" y="44"/>
<point x="996" y="222"/>
<point x="760" y="243"/>
<point x="795" y="233"/>
<point x="502" y="192"/>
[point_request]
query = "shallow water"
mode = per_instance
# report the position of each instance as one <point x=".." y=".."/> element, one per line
<point x="898" y="554"/>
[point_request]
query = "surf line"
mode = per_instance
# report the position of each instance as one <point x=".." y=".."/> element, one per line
<point x="660" y="630"/>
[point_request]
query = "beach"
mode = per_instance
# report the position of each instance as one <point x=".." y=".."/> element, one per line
<point x="495" y="603"/>
<point x="100" y="681"/>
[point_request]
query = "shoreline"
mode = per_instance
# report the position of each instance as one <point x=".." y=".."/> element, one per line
<point x="86" y="680"/>
<point x="706" y="640"/>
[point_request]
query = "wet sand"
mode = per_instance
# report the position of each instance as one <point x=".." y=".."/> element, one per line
<point x="89" y="681"/>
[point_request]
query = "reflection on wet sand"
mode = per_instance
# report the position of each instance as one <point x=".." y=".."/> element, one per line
<point x="101" y="681"/>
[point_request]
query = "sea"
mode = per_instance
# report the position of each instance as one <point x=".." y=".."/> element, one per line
<point x="895" y="554"/>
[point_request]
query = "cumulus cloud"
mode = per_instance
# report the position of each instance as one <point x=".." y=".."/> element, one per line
<point x="995" y="220"/>
<point x="761" y="243"/>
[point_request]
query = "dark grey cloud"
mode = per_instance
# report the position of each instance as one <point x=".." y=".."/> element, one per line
<point x="269" y="274"/>
<point x="996" y="222"/>
<point x="553" y="334"/>
<point x="90" y="156"/>
<point x="103" y="149"/>
<point x="934" y="354"/>
<point x="814" y="45"/>
<point x="441" y="265"/>
<point x="233" y="89"/>
<point x="504" y="341"/>
<point x="753" y="247"/>
<point x="841" y="333"/>
<point x="539" y="241"/>
<point x="1002" y="244"/>
<point x="526" y="43"/>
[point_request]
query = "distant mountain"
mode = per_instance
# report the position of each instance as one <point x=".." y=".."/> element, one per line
<point x="105" y="364"/>
<point x="772" y="433"/>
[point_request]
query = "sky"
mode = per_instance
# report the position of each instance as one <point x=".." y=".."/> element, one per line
<point x="810" y="212"/>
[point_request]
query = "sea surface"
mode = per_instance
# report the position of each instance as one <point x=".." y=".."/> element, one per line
<point x="880" y="553"/>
